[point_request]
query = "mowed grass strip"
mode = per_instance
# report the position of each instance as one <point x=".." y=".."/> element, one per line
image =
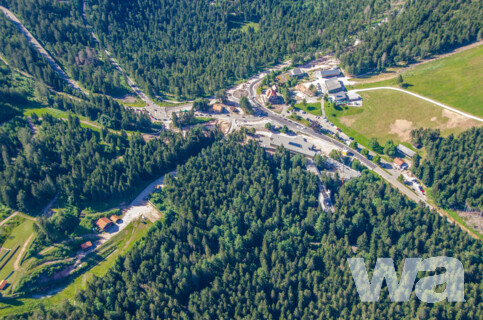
<point x="313" y="108"/>
<point x="388" y="114"/>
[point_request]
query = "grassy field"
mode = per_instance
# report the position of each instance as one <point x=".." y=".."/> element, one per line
<point x="17" y="238"/>
<point x="299" y="119"/>
<point x="136" y="104"/>
<point x="454" y="80"/>
<point x="313" y="108"/>
<point x="56" y="113"/>
<point x="105" y="259"/>
<point x="388" y="114"/>
<point x="200" y="120"/>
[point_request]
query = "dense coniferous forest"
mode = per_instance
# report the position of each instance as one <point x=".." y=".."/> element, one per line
<point x="244" y="238"/>
<point x="453" y="167"/>
<point x="15" y="48"/>
<point x="105" y="110"/>
<point x="193" y="48"/>
<point x="82" y="166"/>
<point x="38" y="78"/>
<point x="423" y="28"/>
<point x="58" y="25"/>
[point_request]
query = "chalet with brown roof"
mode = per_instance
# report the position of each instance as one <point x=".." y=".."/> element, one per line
<point x="103" y="223"/>
<point x="3" y="284"/>
<point x="115" y="218"/>
<point x="400" y="163"/>
<point x="271" y="94"/>
<point x="218" y="107"/>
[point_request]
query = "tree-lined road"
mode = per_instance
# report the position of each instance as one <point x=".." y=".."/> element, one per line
<point x="31" y="39"/>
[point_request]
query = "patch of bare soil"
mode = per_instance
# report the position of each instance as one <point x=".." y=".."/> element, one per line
<point x="347" y="121"/>
<point x="278" y="107"/>
<point x="302" y="88"/>
<point x="128" y="98"/>
<point x="148" y="137"/>
<point x="458" y="121"/>
<point x="473" y="219"/>
<point x="224" y="126"/>
<point x="402" y="128"/>
<point x="240" y="93"/>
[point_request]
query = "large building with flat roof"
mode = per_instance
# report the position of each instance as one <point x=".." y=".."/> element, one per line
<point x="332" y="86"/>
<point x="296" y="145"/>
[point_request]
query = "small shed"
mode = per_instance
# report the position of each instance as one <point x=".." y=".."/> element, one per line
<point x="297" y="73"/>
<point x="115" y="218"/>
<point x="3" y="284"/>
<point x="400" y="163"/>
<point x="86" y="245"/>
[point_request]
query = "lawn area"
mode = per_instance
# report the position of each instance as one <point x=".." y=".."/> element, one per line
<point x="454" y="80"/>
<point x="56" y="113"/>
<point x="313" y="108"/>
<point x="200" y="120"/>
<point x="106" y="257"/>
<point x="17" y="238"/>
<point x="388" y="114"/>
<point x="137" y="104"/>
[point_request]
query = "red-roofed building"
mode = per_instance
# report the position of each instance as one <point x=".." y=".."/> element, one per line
<point x="103" y="223"/>
<point x="86" y="245"/>
<point x="3" y="284"/>
<point x="400" y="163"/>
<point x="271" y="94"/>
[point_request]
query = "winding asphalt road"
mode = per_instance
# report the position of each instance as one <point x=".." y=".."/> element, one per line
<point x="37" y="46"/>
<point x="423" y="98"/>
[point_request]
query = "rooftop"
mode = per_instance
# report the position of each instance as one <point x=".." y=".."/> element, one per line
<point x="86" y="245"/>
<point x="114" y="218"/>
<point x="333" y="84"/>
<point x="341" y="96"/>
<point x="330" y="73"/>
<point x="296" y="72"/>
<point x="103" y="222"/>
<point x="353" y="96"/>
<point x="403" y="149"/>
<point x="297" y="144"/>
<point x="399" y="161"/>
